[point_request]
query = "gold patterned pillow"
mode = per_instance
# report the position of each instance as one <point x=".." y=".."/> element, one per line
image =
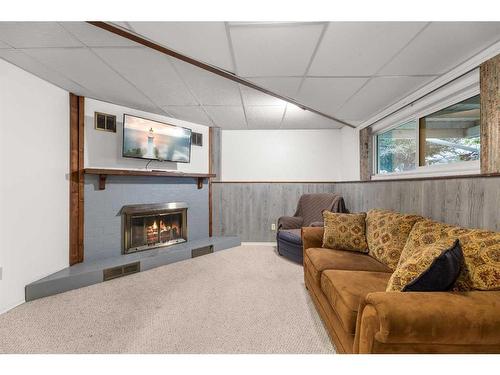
<point x="481" y="249"/>
<point x="345" y="231"/>
<point x="386" y="234"/>
<point x="418" y="262"/>
<point x="426" y="232"/>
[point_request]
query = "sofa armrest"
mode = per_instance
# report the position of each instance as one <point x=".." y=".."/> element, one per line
<point x="312" y="237"/>
<point x="290" y="222"/>
<point x="428" y="318"/>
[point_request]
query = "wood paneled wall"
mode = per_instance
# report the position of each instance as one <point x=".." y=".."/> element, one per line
<point x="249" y="209"/>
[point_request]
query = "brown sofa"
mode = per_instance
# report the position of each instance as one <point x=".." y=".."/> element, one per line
<point x="349" y="292"/>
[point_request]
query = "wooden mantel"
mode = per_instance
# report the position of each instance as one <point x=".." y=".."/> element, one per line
<point x="103" y="173"/>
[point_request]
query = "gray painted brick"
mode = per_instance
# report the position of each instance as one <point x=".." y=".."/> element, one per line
<point x="103" y="222"/>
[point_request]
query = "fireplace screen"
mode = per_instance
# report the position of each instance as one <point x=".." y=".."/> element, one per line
<point x="148" y="226"/>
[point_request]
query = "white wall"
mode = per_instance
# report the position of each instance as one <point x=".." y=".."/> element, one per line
<point x="350" y="154"/>
<point x="34" y="187"/>
<point x="281" y="155"/>
<point x="104" y="149"/>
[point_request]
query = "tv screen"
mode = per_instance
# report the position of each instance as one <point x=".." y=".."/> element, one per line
<point x="153" y="140"/>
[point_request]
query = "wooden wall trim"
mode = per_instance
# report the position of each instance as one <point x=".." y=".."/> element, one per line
<point x="210" y="171"/>
<point x="490" y="115"/>
<point x="451" y="177"/>
<point x="76" y="228"/>
<point x="365" y="154"/>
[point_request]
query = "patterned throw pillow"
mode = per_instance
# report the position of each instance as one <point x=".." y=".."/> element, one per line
<point x="481" y="250"/>
<point x="345" y="232"/>
<point x="425" y="232"/>
<point x="386" y="233"/>
<point x="422" y="268"/>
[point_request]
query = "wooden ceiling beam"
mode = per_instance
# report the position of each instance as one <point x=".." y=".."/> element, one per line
<point x="210" y="68"/>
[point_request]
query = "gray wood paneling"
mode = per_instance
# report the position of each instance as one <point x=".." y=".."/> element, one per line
<point x="248" y="209"/>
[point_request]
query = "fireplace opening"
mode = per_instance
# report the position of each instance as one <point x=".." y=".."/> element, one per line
<point x="148" y="226"/>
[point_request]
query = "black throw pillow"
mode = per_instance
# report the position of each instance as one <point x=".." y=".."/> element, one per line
<point x="441" y="274"/>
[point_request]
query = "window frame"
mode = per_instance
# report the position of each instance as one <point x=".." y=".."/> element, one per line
<point x="458" y="168"/>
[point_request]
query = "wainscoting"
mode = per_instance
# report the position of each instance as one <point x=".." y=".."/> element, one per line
<point x="248" y="209"/>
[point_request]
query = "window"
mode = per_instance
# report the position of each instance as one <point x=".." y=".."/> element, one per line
<point x="397" y="148"/>
<point x="449" y="135"/>
<point x="452" y="134"/>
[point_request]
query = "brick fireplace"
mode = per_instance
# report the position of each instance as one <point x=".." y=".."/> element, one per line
<point x="149" y="226"/>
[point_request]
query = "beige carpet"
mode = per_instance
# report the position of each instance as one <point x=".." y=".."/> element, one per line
<point x="242" y="300"/>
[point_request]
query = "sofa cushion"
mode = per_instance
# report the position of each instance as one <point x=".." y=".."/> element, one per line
<point x="386" y="233"/>
<point x="430" y="268"/>
<point x="345" y="231"/>
<point x="316" y="260"/>
<point x="344" y="290"/>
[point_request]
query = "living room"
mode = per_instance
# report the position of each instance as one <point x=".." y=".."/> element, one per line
<point x="197" y="186"/>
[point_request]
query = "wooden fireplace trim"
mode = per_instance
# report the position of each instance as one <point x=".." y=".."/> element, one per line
<point x="76" y="123"/>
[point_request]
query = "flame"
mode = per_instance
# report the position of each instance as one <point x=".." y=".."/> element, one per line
<point x="155" y="226"/>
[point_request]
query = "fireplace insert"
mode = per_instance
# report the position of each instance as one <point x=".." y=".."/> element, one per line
<point x="148" y="226"/>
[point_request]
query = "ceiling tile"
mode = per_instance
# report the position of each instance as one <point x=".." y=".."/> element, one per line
<point x="194" y="114"/>
<point x="205" y="41"/>
<point x="274" y="50"/>
<point x="151" y="72"/>
<point x="93" y="36"/>
<point x="255" y="97"/>
<point x="4" y="45"/>
<point x="87" y="70"/>
<point x="378" y="94"/>
<point x="286" y="86"/>
<point x="208" y="88"/>
<point x="227" y="117"/>
<point x="34" y="67"/>
<point x="264" y="117"/>
<point x="36" y="35"/>
<point x="361" y="48"/>
<point x="442" y="46"/>
<point x="297" y="118"/>
<point x="328" y="94"/>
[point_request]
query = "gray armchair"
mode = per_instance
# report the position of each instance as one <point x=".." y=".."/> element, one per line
<point x="310" y="209"/>
<point x="309" y="212"/>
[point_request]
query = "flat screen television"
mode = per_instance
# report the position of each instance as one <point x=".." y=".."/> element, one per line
<point x="154" y="140"/>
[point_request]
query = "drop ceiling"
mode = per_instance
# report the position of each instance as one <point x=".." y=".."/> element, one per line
<point x="349" y="70"/>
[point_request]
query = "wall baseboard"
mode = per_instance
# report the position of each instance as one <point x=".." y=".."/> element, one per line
<point x="258" y="244"/>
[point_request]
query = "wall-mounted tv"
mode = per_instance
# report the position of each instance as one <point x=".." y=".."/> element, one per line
<point x="154" y="140"/>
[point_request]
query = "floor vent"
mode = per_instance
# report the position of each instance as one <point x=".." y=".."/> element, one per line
<point x="202" y="251"/>
<point x="126" y="269"/>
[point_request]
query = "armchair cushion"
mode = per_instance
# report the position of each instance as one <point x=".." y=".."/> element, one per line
<point x="429" y="318"/>
<point x="290" y="222"/>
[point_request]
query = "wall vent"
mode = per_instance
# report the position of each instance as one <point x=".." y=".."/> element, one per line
<point x="104" y="121"/>
<point x="197" y="139"/>
<point x="202" y="251"/>
<point x="126" y="269"/>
